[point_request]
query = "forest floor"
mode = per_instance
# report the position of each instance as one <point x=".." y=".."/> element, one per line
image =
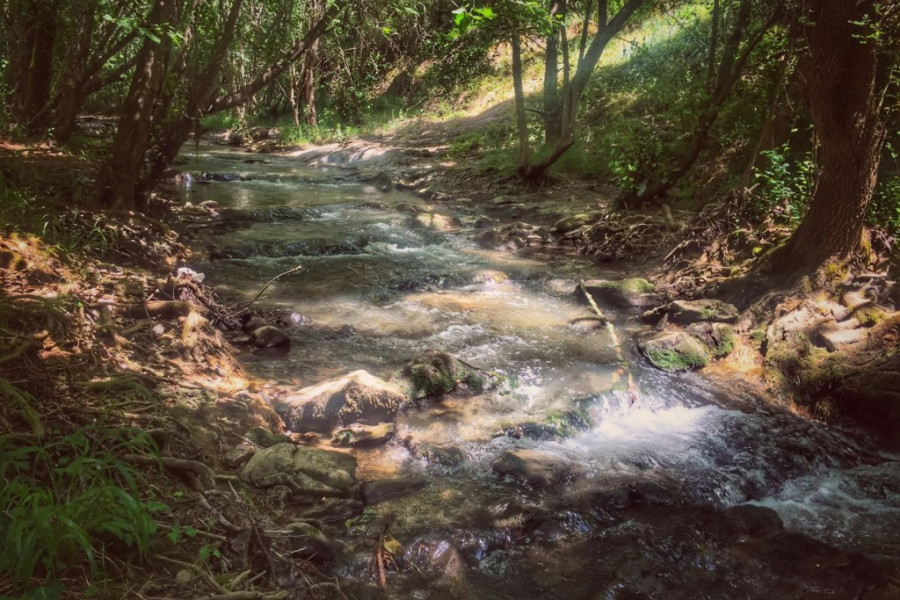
<point x="108" y="353"/>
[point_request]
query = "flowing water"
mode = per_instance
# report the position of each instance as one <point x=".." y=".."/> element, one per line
<point x="657" y="493"/>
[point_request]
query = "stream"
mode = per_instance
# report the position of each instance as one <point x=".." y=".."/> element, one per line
<point x="691" y="488"/>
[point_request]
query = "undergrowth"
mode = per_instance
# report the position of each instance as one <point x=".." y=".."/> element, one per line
<point x="69" y="503"/>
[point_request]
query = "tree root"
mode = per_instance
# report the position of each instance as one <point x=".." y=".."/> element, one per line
<point x="198" y="475"/>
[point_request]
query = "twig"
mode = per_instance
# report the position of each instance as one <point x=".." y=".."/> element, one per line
<point x="594" y="307"/>
<point x="246" y="305"/>
<point x="379" y="550"/>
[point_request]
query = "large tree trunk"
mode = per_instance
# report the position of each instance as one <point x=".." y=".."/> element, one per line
<point x="847" y="77"/>
<point x="120" y="174"/>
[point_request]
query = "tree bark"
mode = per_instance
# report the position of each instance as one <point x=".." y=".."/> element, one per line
<point x="847" y="76"/>
<point x="552" y="107"/>
<point x="120" y="174"/>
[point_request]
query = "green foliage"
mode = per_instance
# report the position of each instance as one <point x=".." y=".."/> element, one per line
<point x="785" y="184"/>
<point x="884" y="210"/>
<point x="69" y="501"/>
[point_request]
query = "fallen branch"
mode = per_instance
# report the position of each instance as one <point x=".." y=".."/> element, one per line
<point x="164" y="309"/>
<point x="594" y="307"/>
<point x="247" y="304"/>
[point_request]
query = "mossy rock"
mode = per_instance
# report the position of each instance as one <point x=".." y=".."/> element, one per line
<point x="435" y="373"/>
<point x="624" y="293"/>
<point x="674" y="351"/>
<point x="686" y="312"/>
<point x="719" y="337"/>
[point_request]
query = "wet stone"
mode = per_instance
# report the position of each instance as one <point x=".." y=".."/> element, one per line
<point x="355" y="398"/>
<point x="533" y="467"/>
<point x="364" y="436"/>
<point x="264" y="438"/>
<point x="375" y="492"/>
<point x="674" y="350"/>
<point x="685" y="312"/>
<point x="270" y="337"/>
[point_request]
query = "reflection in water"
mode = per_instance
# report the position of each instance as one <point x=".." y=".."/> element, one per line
<point x="378" y="287"/>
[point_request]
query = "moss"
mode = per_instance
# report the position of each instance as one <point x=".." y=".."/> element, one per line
<point x="869" y="316"/>
<point x="674" y="360"/>
<point x="724" y="341"/>
<point x="634" y="285"/>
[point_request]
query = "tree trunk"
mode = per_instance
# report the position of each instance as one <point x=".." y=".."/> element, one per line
<point x="33" y="29"/>
<point x="552" y="106"/>
<point x="120" y="174"/>
<point x="847" y="77"/>
<point x="521" y="118"/>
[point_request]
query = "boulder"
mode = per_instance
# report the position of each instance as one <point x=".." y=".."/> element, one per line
<point x="270" y="337"/>
<point x="571" y="223"/>
<point x="686" y="312"/>
<point x="535" y="468"/>
<point x="304" y="471"/>
<point x="435" y="373"/>
<point x="238" y="456"/>
<point x="625" y="293"/>
<point x="718" y="337"/>
<point x="355" y="398"/>
<point x="674" y="350"/>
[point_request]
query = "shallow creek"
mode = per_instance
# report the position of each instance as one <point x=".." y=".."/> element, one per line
<point x="658" y="502"/>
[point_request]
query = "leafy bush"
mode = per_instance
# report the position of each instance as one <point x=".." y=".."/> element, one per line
<point x="66" y="502"/>
<point x="785" y="184"/>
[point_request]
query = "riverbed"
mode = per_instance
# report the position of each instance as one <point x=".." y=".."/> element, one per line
<point x="670" y="486"/>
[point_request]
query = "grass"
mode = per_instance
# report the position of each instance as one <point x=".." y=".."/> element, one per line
<point x="69" y="503"/>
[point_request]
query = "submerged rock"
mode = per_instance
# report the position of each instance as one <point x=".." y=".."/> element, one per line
<point x="270" y="337"/>
<point x="534" y="468"/>
<point x="375" y="492"/>
<point x="674" y="350"/>
<point x="304" y="471"/>
<point x="355" y="398"/>
<point x="364" y="436"/>
<point x="626" y="293"/>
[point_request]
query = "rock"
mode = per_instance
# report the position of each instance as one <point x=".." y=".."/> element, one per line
<point x="355" y="398"/>
<point x="304" y="471"/>
<point x="490" y="276"/>
<point x="586" y="324"/>
<point x="440" y="562"/>
<point x="674" y="350"/>
<point x="238" y="456"/>
<point x="364" y="436"/>
<point x="310" y="543"/>
<point x="719" y="337"/>
<point x="755" y="521"/>
<point x="833" y="340"/>
<point x="208" y="205"/>
<point x="567" y="224"/>
<point x="264" y="438"/>
<point x="625" y="293"/>
<point x="270" y="337"/>
<point x="375" y="492"/>
<point x="435" y="373"/>
<point x="381" y="181"/>
<point x="535" y="468"/>
<point x="686" y="312"/>
<point x="254" y="323"/>
<point x="448" y="456"/>
<point x="184" y="577"/>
